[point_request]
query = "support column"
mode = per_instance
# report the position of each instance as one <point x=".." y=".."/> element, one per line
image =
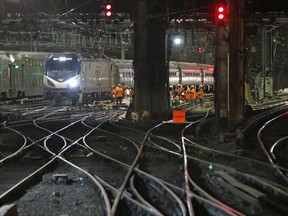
<point x="221" y="75"/>
<point x="229" y="71"/>
<point x="237" y="92"/>
<point x="151" y="80"/>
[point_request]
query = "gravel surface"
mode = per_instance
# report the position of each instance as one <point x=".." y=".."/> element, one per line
<point x="61" y="196"/>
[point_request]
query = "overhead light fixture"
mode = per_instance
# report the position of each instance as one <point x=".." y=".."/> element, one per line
<point x="177" y="41"/>
<point x="12" y="59"/>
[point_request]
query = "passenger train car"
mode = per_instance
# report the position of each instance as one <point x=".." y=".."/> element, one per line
<point x="21" y="74"/>
<point x="67" y="73"/>
<point x="188" y="73"/>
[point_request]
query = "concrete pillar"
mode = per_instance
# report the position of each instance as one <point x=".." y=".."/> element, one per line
<point x="229" y="72"/>
<point x="236" y="58"/>
<point x="151" y="77"/>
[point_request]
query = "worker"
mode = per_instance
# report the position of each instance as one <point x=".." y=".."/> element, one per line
<point x="171" y="93"/>
<point x="119" y="93"/>
<point x="192" y="95"/>
<point x="112" y="93"/>
<point x="180" y="92"/>
<point x="172" y="90"/>
<point x="127" y="92"/>
<point x="187" y="94"/>
<point x="200" y="95"/>
<point x="80" y="99"/>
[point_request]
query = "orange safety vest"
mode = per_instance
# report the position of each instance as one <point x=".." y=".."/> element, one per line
<point x="192" y="94"/>
<point x="200" y="93"/>
<point x="112" y="91"/>
<point x="180" y="91"/>
<point x="119" y="91"/>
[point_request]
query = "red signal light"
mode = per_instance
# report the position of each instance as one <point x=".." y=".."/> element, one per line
<point x="108" y="13"/>
<point x="220" y="9"/>
<point x="108" y="8"/>
<point x="221" y="16"/>
<point x="220" y="13"/>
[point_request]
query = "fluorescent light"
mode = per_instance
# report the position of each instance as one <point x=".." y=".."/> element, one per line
<point x="12" y="59"/>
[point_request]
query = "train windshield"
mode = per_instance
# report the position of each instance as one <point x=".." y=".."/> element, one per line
<point x="62" y="68"/>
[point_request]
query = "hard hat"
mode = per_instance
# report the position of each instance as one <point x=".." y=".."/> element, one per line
<point x="192" y="86"/>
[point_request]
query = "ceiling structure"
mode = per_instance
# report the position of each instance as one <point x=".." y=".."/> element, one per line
<point x="41" y="25"/>
<point x="90" y="6"/>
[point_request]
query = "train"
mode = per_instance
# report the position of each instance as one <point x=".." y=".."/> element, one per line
<point x="188" y="73"/>
<point x="59" y="76"/>
<point x="67" y="73"/>
<point x="21" y="74"/>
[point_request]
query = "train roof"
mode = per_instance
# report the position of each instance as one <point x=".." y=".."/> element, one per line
<point x="17" y="55"/>
<point x="81" y="57"/>
<point x="189" y="64"/>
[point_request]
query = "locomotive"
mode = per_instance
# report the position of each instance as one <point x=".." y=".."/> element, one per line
<point x="21" y="74"/>
<point x="67" y="73"/>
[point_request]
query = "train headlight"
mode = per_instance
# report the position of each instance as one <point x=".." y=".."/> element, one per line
<point x="73" y="83"/>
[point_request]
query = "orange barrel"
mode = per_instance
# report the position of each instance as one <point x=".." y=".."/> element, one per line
<point x="179" y="116"/>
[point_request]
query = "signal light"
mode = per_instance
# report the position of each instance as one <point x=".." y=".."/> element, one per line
<point x="178" y="21"/>
<point x="200" y="49"/>
<point x="108" y="8"/>
<point x="220" y="13"/>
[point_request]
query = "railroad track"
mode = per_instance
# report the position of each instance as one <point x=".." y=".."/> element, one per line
<point x="92" y="163"/>
<point x="272" y="138"/>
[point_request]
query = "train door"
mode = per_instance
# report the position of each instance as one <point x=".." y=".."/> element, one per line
<point x="202" y="75"/>
<point x="16" y="77"/>
<point x="11" y="77"/>
<point x="85" y="70"/>
<point x="4" y="79"/>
